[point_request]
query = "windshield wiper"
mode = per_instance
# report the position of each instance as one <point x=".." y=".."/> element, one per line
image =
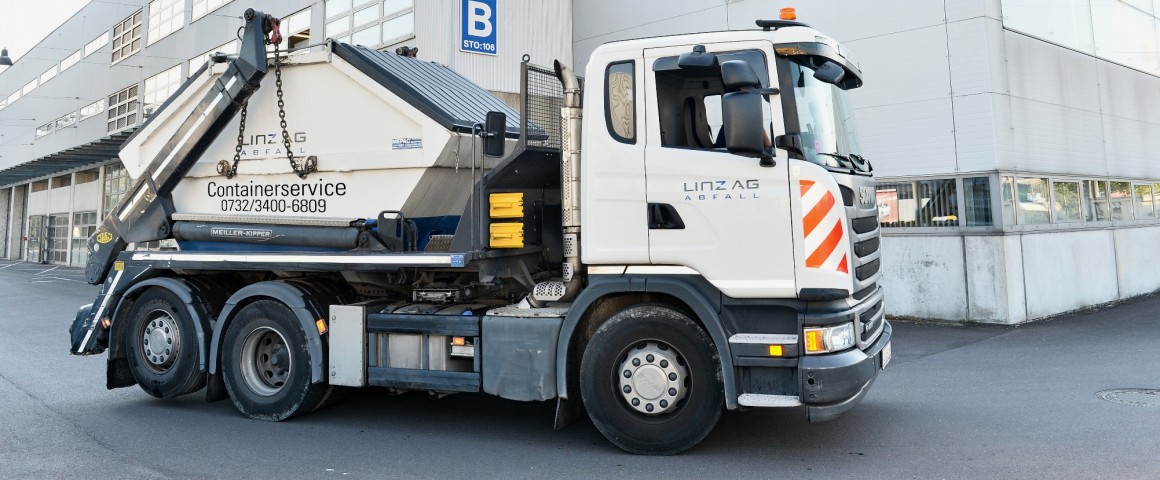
<point x="862" y="162"/>
<point x="844" y="160"/>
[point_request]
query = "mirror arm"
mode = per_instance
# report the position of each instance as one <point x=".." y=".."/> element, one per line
<point x="791" y="142"/>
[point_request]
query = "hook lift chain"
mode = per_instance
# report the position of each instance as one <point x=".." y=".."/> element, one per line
<point x="310" y="164"/>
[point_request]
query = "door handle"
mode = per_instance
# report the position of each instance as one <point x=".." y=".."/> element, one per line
<point x="662" y="216"/>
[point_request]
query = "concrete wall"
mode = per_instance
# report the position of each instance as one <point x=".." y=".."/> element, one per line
<point x="1014" y="278"/>
<point x="5" y="203"/>
<point x="18" y="219"/>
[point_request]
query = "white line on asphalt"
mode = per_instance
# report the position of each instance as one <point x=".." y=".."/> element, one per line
<point x="49" y="270"/>
<point x="9" y="265"/>
<point x="68" y="279"/>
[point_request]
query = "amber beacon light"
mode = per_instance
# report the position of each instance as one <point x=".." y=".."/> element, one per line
<point x="788" y="14"/>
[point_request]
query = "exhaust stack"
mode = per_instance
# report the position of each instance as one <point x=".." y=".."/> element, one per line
<point x="571" y="115"/>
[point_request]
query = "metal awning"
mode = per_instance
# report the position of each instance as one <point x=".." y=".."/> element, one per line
<point x="92" y="153"/>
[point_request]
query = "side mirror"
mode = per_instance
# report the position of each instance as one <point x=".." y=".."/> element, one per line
<point x="830" y="72"/>
<point x="741" y="119"/>
<point x="739" y="75"/>
<point x="495" y="133"/>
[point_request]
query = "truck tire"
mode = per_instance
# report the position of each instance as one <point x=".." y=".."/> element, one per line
<point x="651" y="381"/>
<point x="161" y="345"/>
<point x="266" y="365"/>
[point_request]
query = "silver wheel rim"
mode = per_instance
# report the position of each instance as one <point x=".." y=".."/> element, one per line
<point x="653" y="378"/>
<point x="266" y="361"/>
<point x="160" y="341"/>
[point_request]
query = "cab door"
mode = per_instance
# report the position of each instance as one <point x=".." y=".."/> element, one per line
<point x="723" y="215"/>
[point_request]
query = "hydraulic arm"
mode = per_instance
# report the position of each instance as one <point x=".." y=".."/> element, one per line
<point x="144" y="213"/>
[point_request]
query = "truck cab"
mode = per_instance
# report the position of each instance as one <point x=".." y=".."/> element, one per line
<point x="729" y="163"/>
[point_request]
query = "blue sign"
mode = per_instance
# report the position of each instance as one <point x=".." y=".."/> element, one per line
<point x="479" y="27"/>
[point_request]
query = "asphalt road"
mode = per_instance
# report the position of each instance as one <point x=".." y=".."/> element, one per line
<point x="957" y="402"/>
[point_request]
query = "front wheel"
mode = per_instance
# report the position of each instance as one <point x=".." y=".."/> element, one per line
<point x="266" y="364"/>
<point x="650" y="379"/>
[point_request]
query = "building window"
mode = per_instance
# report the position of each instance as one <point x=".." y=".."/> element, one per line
<point x="1031" y="201"/>
<point x="49" y="74"/>
<point x="70" y="61"/>
<point x="620" y="101"/>
<point x="96" y="44"/>
<point x="1096" y="200"/>
<point x="372" y="24"/>
<point x="228" y="48"/>
<point x="158" y="88"/>
<point x="116" y="184"/>
<point x="14" y="97"/>
<point x="66" y="121"/>
<point x="92" y="109"/>
<point x="165" y="17"/>
<point x="202" y="8"/>
<point x="28" y="87"/>
<point x="122" y="109"/>
<point x="1120" y="201"/>
<point x="1066" y="201"/>
<point x="84" y="226"/>
<point x="977" y="196"/>
<point x="127" y="36"/>
<point x="1145" y="202"/>
<point x="44" y="129"/>
<point x="295" y="30"/>
<point x="896" y="206"/>
<point x="87" y="176"/>
<point x="62" y="181"/>
<point x="38" y="186"/>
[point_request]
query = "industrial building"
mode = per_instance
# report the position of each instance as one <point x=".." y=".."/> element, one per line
<point x="1011" y="138"/>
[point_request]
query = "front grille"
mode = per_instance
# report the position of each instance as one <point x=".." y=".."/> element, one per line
<point x="866" y="247"/>
<point x="870" y="321"/>
<point x="865" y="292"/>
<point x="864" y="224"/>
<point x="868" y="270"/>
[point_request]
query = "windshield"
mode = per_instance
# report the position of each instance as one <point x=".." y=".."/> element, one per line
<point x="825" y="120"/>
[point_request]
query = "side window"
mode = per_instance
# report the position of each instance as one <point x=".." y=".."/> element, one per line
<point x="689" y="100"/>
<point x="620" y="101"/>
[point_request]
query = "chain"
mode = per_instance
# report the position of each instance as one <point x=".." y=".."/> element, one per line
<point x="227" y="169"/>
<point x="309" y="165"/>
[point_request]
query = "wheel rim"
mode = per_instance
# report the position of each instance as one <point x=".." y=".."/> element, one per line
<point x="160" y="341"/>
<point x="266" y="361"/>
<point x="653" y="378"/>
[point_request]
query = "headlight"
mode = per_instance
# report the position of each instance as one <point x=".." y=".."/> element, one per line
<point x="829" y="339"/>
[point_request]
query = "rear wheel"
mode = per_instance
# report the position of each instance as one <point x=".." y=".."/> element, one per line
<point x="266" y="364"/>
<point x="650" y="380"/>
<point x="162" y="346"/>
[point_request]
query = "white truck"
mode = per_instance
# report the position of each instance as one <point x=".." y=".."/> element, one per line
<point x="709" y="242"/>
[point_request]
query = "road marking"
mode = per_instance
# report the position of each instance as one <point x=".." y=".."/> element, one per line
<point x="9" y="265"/>
<point x="49" y="270"/>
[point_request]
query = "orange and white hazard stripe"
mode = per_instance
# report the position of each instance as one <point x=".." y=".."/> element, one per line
<point x="823" y="230"/>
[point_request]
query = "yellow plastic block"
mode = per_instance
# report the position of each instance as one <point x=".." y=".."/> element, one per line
<point x="507" y="235"/>
<point x="507" y="205"/>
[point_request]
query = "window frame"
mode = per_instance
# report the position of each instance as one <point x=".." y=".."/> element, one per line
<point x="608" y="111"/>
<point x="135" y="24"/>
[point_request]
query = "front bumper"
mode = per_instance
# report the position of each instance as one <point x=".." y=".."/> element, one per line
<point x="833" y="384"/>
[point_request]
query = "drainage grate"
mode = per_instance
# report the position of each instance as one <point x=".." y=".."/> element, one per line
<point x="1138" y="397"/>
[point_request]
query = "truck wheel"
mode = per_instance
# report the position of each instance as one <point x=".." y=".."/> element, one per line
<point x="650" y="379"/>
<point x="162" y="346"/>
<point x="266" y="366"/>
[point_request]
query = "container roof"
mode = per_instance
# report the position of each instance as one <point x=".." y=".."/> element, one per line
<point x="444" y="95"/>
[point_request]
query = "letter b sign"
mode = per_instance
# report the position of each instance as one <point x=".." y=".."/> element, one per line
<point x="479" y="26"/>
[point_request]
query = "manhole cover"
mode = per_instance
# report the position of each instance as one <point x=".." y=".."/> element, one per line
<point x="1139" y="397"/>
